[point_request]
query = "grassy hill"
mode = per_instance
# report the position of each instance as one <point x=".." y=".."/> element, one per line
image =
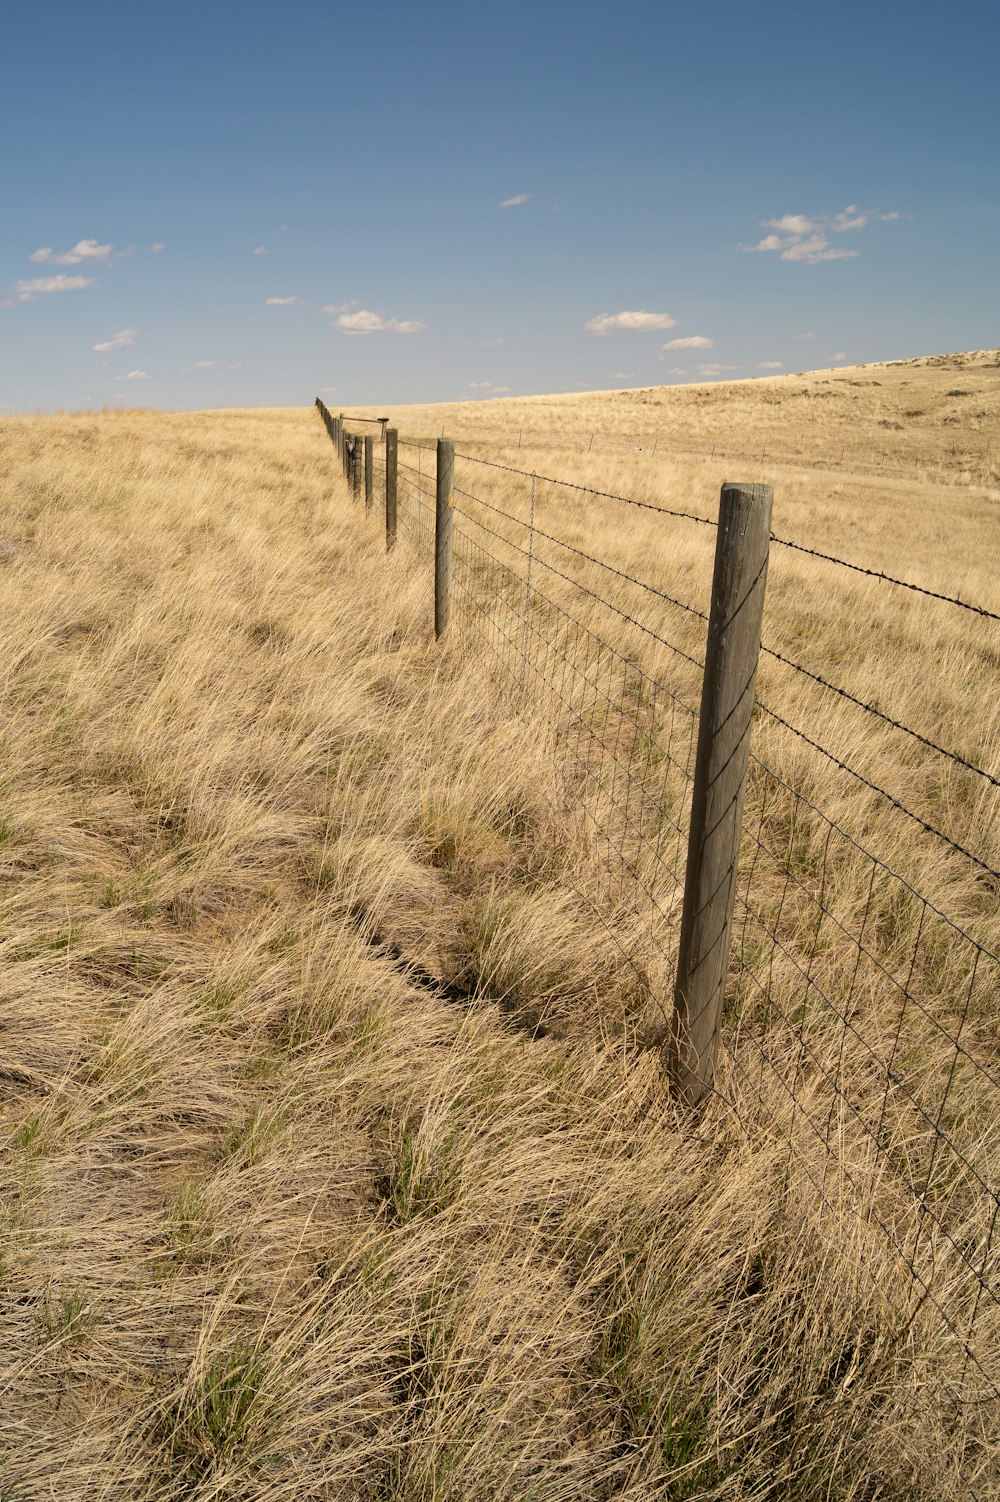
<point x="337" y="1155"/>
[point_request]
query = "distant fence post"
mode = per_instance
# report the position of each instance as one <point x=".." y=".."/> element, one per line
<point x="443" y="534"/>
<point x="341" y="450"/>
<point x="369" y="470"/>
<point x="727" y="702"/>
<point x="391" y="438"/>
<point x="356" y="465"/>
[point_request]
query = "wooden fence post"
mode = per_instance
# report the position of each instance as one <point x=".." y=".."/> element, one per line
<point x="443" y="534"/>
<point x="369" y="470"/>
<point x="391" y="437"/>
<point x="727" y="703"/>
<point x="357" y="465"/>
<point x="341" y="450"/>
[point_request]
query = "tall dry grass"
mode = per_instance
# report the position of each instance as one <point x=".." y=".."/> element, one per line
<point x="334" y="1164"/>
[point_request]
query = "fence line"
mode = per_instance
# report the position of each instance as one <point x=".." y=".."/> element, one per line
<point x="886" y="462"/>
<point x="859" y="1015"/>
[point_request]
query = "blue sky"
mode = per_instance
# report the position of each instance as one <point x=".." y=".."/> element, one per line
<point x="247" y="204"/>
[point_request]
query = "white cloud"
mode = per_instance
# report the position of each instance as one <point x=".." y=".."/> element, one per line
<point x="328" y="390"/>
<point x="623" y="375"/>
<point x="806" y="238"/>
<point x="769" y="242"/>
<point x="605" y="323"/>
<point x="815" y="248"/>
<point x="121" y="340"/>
<point x="283" y="302"/>
<point x="133" y="375"/>
<point x="768" y="365"/>
<point x="791" y="224"/>
<point x="838" y="358"/>
<point x="156" y="249"/>
<point x="234" y="364"/>
<point x="693" y="341"/>
<point x="340" y="307"/>
<point x="366" y="322"/>
<point x="260" y="250"/>
<point x="715" y="370"/>
<point x="40" y="285"/>
<point x="512" y="203"/>
<point x="488" y="388"/>
<point x="809" y="334"/>
<point x="676" y="370"/>
<point x="198" y="365"/>
<point x="850" y="218"/>
<point x="83" y="250"/>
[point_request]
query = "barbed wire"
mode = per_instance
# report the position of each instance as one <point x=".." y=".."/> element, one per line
<point x="873" y="573"/>
<point x="769" y="771"/>
<point x="880" y="714"/>
<point x="883" y="792"/>
<point x="576" y="584"/>
<point x="605" y="495"/>
<point x="537" y="531"/>
<point x="981" y="951"/>
<point x="409" y="469"/>
<point x="784" y="542"/>
<point x="769" y="651"/>
<point x="537" y="594"/>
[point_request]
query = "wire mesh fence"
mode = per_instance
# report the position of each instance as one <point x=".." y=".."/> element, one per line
<point x="861" y="1012"/>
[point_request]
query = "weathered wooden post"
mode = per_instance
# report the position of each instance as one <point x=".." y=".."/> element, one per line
<point x="727" y="703"/>
<point x="443" y="534"/>
<point x="357" y="473"/>
<point x="341" y="446"/>
<point x="369" y="470"/>
<point x="391" y="438"/>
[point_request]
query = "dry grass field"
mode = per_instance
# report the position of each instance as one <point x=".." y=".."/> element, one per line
<point x="336" y="1155"/>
